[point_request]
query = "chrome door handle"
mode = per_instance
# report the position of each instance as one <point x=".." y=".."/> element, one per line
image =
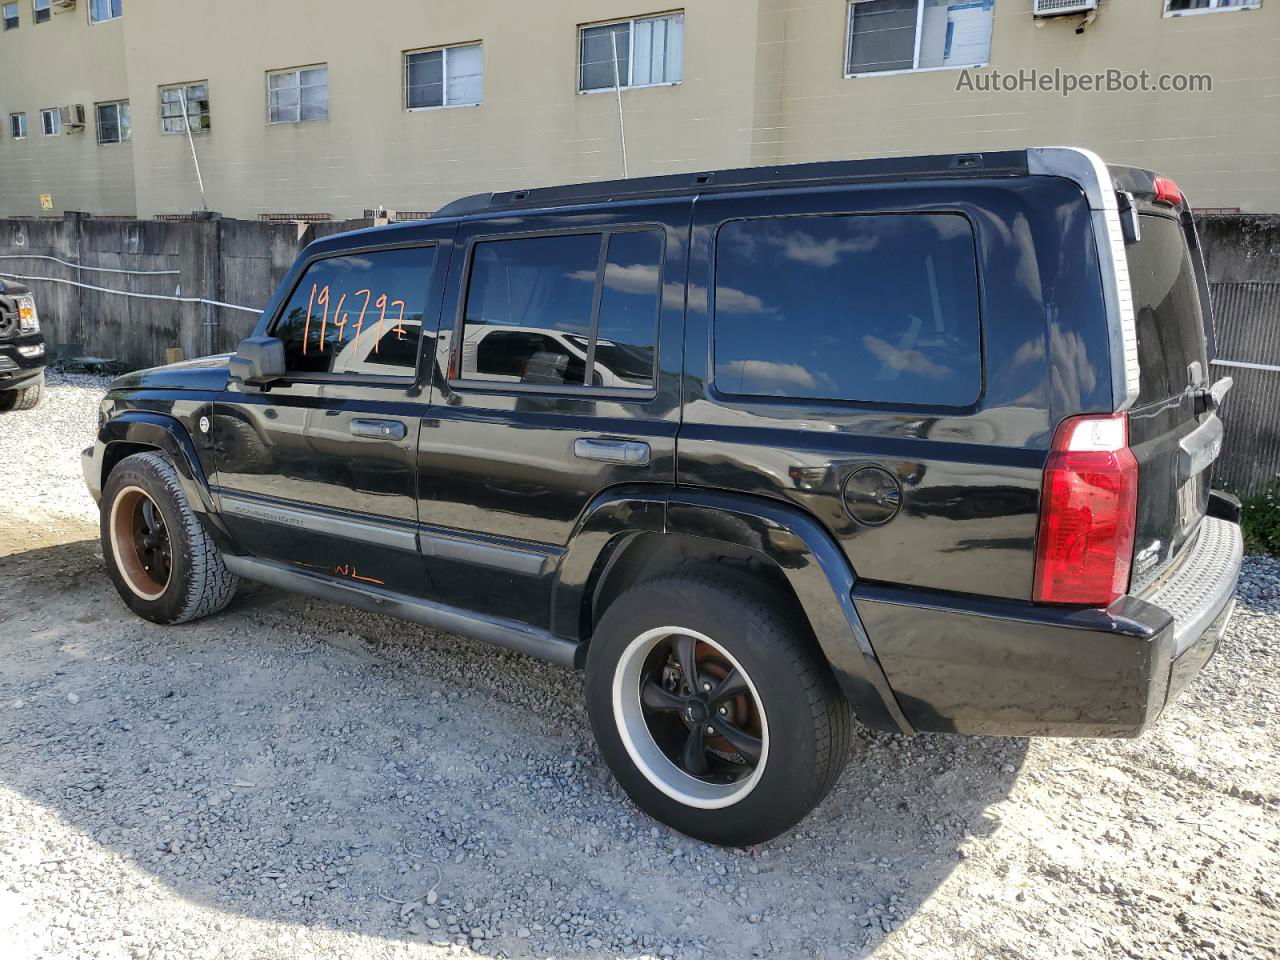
<point x="378" y="429"/>
<point x="633" y="453"/>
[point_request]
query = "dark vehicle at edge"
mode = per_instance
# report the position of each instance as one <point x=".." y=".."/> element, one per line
<point x="919" y="442"/>
<point x="22" y="356"/>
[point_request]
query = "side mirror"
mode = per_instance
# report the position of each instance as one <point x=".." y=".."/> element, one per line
<point x="258" y="360"/>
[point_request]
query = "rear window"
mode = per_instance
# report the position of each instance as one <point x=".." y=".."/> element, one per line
<point x="877" y="308"/>
<point x="1166" y="307"/>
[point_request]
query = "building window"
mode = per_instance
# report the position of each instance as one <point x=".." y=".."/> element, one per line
<point x="197" y="99"/>
<point x="1180" y="8"/>
<point x="103" y="10"/>
<point x="39" y="11"/>
<point x="891" y="36"/>
<point x="448" y="77"/>
<point x="650" y="51"/>
<point x="10" y="13"/>
<point x="18" y="126"/>
<point x="296" y="96"/>
<point x="113" y="122"/>
<point x="51" y="121"/>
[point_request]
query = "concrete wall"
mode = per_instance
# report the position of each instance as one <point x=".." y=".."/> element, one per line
<point x="1223" y="148"/>
<point x="763" y="83"/>
<point x="240" y="262"/>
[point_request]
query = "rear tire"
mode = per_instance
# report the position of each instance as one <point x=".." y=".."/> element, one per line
<point x="766" y="713"/>
<point x="163" y="563"/>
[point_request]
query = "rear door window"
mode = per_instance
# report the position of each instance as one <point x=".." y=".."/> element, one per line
<point x="571" y="310"/>
<point x="873" y="308"/>
<point x="359" y="314"/>
<point x="1166" y="308"/>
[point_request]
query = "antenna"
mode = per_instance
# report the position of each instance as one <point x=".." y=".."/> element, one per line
<point x="186" y="123"/>
<point x="617" y="89"/>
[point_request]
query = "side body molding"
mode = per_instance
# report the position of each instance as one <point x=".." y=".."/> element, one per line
<point x="142" y="428"/>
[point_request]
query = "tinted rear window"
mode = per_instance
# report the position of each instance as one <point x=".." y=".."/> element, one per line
<point x="1166" y="306"/>
<point x="862" y="307"/>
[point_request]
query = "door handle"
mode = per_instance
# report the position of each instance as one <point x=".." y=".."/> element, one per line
<point x="633" y="453"/>
<point x="378" y="429"/>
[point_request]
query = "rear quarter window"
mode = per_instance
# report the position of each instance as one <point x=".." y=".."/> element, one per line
<point x="1166" y="310"/>
<point x="871" y="308"/>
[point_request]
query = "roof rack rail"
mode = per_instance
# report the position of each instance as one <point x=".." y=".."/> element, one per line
<point x="992" y="164"/>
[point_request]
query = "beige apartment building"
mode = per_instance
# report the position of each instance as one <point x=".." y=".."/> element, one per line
<point x="321" y="107"/>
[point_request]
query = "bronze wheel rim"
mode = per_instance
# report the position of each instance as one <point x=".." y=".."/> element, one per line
<point x="140" y="543"/>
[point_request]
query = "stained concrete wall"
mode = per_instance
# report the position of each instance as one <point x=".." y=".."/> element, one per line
<point x="232" y="261"/>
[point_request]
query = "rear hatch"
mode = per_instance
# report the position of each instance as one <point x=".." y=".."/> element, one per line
<point x="1174" y="431"/>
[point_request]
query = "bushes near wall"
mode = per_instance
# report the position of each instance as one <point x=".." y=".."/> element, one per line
<point x="1261" y="521"/>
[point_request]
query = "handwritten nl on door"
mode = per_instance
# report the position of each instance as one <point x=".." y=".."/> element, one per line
<point x="322" y="296"/>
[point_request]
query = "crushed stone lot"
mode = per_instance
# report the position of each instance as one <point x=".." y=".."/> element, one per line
<point x="296" y="779"/>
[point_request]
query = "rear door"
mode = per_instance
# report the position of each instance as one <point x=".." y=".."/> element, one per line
<point x="561" y="338"/>
<point x="1174" y="434"/>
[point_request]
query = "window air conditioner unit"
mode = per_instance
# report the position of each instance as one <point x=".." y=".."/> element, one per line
<point x="1058" y="8"/>
<point x="60" y="5"/>
<point x="72" y="117"/>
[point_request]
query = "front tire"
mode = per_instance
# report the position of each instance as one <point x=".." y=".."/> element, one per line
<point x="159" y="556"/>
<point x="750" y="746"/>
<point x="24" y="398"/>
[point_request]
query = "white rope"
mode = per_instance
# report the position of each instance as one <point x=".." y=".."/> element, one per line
<point x="67" y="263"/>
<point x="138" y="296"/>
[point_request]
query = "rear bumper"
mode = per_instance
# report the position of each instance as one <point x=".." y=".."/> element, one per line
<point x="976" y="666"/>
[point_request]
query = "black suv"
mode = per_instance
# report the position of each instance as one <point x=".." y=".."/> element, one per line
<point x="921" y="442"/>
<point x="21" y="348"/>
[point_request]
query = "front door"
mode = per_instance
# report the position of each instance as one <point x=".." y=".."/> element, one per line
<point x="561" y="338"/>
<point x="318" y="470"/>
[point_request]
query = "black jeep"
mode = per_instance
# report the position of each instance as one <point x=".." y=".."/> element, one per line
<point x="21" y="348"/>
<point x="921" y="442"/>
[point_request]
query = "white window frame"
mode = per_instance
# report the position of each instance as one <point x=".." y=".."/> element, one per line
<point x="624" y="83"/>
<point x="186" y="93"/>
<point x="110" y="7"/>
<point x="45" y="113"/>
<point x="97" y="123"/>
<point x="444" y="75"/>
<point x="18" y="121"/>
<point x="36" y="9"/>
<point x="915" y="57"/>
<point x="1214" y="7"/>
<point x="297" y="72"/>
<point x="17" y="15"/>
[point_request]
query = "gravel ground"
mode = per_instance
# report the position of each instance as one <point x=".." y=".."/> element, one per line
<point x="292" y="778"/>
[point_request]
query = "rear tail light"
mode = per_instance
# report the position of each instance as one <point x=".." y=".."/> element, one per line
<point x="1088" y="509"/>
<point x="1167" y="192"/>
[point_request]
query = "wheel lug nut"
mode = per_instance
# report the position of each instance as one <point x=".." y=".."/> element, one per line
<point x="710" y="731"/>
<point x="724" y="711"/>
<point x="706" y="687"/>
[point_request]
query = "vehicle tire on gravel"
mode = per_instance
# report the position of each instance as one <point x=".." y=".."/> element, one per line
<point x="24" y="399"/>
<point x="753" y="744"/>
<point x="28" y="397"/>
<point x="163" y="563"/>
